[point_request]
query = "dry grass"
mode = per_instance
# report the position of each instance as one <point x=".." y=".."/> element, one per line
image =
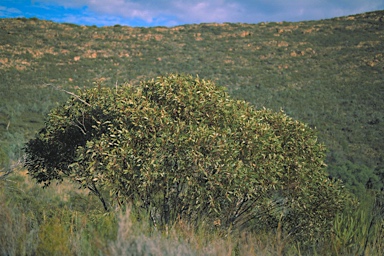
<point x="34" y="221"/>
<point x="184" y="239"/>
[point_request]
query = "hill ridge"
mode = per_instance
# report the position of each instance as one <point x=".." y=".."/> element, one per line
<point x="327" y="73"/>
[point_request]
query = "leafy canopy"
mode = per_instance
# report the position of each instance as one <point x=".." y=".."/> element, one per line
<point x="180" y="147"/>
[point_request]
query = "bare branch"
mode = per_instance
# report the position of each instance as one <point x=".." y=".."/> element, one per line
<point x="77" y="97"/>
<point x="4" y="173"/>
<point x="70" y="93"/>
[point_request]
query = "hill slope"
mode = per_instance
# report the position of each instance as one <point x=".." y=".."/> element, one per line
<point x="326" y="73"/>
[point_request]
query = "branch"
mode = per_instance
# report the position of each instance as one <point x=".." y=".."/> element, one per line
<point x="9" y="169"/>
<point x="5" y="173"/>
<point x="70" y="93"/>
<point x="94" y="190"/>
<point x="77" y="97"/>
<point x="78" y="124"/>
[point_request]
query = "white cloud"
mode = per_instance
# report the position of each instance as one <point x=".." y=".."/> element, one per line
<point x="5" y="11"/>
<point x="126" y="9"/>
<point x="173" y="12"/>
<point x="202" y="11"/>
<point x="314" y="9"/>
<point x="193" y="11"/>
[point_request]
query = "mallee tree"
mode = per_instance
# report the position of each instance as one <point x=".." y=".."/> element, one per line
<point x="180" y="147"/>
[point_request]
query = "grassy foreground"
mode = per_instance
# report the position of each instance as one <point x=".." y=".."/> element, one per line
<point x="62" y="220"/>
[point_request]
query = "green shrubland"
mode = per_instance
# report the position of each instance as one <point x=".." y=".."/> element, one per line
<point x="179" y="148"/>
<point x="322" y="73"/>
<point x="327" y="74"/>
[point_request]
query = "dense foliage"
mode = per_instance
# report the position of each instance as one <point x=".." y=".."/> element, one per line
<point x="325" y="73"/>
<point x="181" y="148"/>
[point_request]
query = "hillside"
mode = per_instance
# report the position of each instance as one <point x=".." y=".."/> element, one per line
<point x="326" y="73"/>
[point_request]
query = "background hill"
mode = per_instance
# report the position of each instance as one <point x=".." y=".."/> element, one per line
<point x="326" y="73"/>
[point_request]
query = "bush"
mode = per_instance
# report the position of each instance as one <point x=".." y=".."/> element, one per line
<point x="181" y="148"/>
<point x="357" y="178"/>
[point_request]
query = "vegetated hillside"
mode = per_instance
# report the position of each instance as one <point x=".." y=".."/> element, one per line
<point x="328" y="73"/>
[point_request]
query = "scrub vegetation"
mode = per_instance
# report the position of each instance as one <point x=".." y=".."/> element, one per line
<point x="325" y="74"/>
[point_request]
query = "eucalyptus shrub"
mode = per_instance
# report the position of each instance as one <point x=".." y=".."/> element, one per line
<point x="181" y="148"/>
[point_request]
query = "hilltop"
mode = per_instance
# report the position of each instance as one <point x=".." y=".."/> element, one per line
<point x="328" y="74"/>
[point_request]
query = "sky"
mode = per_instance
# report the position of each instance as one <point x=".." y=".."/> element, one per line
<point x="150" y="13"/>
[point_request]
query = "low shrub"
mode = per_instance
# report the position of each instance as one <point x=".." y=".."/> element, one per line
<point x="181" y="148"/>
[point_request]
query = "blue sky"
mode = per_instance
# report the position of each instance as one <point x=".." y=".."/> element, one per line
<point x="148" y="13"/>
